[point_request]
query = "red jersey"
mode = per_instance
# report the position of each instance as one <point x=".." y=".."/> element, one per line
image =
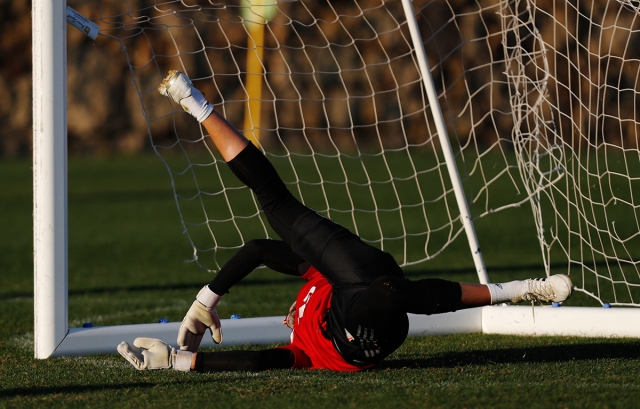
<point x="308" y="342"/>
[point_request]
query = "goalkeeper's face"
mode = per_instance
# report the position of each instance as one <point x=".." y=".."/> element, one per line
<point x="290" y="319"/>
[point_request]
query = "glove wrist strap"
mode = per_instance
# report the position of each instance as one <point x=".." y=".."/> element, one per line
<point x="208" y="298"/>
<point x="181" y="360"/>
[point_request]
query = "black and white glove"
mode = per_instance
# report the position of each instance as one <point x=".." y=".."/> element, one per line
<point x="201" y="315"/>
<point x="151" y="353"/>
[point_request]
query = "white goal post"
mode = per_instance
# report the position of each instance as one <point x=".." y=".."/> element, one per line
<point x="49" y="175"/>
<point x="549" y="98"/>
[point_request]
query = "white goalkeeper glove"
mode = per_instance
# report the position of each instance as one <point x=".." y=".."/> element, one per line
<point x="151" y="353"/>
<point x="201" y="315"/>
<point x="180" y="88"/>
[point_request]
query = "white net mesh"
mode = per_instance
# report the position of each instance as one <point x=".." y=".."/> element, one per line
<point x="573" y="85"/>
<point x="342" y="117"/>
<point x="540" y="99"/>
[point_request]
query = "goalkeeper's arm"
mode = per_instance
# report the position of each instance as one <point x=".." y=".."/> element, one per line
<point x="275" y="254"/>
<point x="151" y="354"/>
<point x="275" y="358"/>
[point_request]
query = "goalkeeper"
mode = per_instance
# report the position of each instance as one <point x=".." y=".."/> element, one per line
<point x="352" y="311"/>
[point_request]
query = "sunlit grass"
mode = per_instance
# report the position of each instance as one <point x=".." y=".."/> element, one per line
<point x="127" y="265"/>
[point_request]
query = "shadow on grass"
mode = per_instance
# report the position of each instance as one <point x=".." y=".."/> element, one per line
<point x="54" y="390"/>
<point x="554" y="353"/>
<point x="71" y="389"/>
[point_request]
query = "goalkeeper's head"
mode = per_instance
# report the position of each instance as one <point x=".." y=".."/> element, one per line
<point x="290" y="319"/>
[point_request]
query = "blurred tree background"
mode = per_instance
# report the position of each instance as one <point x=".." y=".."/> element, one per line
<point x="104" y="114"/>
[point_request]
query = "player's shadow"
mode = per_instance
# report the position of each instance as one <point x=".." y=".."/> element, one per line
<point x="71" y="389"/>
<point x="52" y="390"/>
<point x="552" y="353"/>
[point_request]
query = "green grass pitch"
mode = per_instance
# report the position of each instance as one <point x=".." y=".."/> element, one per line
<point x="126" y="265"/>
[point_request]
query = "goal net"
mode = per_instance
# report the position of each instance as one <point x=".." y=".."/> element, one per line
<point x="539" y="98"/>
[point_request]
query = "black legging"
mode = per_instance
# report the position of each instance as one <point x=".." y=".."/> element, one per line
<point x="337" y="253"/>
<point x="371" y="297"/>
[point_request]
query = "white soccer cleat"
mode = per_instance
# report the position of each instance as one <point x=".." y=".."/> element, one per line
<point x="176" y="85"/>
<point x="179" y="87"/>
<point x="556" y="288"/>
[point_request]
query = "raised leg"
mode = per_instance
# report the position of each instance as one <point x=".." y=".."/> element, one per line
<point x="227" y="139"/>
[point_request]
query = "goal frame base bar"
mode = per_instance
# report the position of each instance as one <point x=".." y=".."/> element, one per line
<point x="503" y="319"/>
